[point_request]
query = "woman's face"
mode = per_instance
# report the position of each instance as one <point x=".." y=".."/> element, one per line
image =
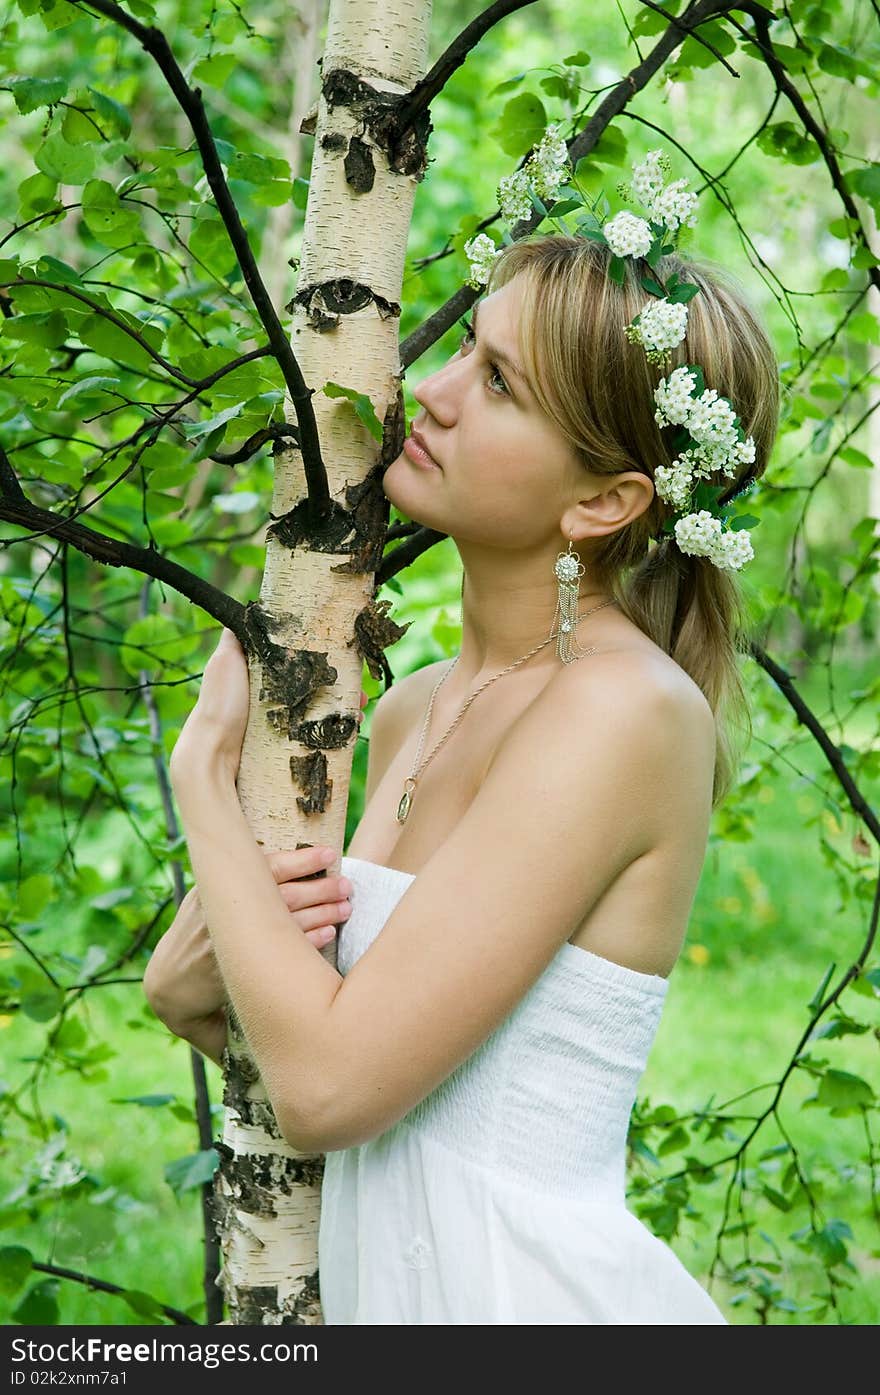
<point x="504" y="475"/>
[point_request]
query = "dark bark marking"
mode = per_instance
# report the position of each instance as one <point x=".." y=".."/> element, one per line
<point x="355" y="529"/>
<point x="325" y="301"/>
<point x="374" y="630"/>
<point x="310" y="773"/>
<point x="360" y="170"/>
<point x="329" y="733"/>
<point x="291" y="677"/>
<point x="406" y="150"/>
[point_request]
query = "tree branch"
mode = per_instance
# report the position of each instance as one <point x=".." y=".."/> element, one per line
<point x="101" y="1286"/>
<point x="427" y="88"/>
<point x="406" y="552"/>
<point x="101" y="548"/>
<point x="189" y="100"/>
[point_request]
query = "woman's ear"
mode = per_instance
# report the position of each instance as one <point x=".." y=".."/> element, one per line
<point x="613" y="502"/>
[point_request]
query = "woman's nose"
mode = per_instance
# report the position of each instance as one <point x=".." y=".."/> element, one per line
<point x="439" y="393"/>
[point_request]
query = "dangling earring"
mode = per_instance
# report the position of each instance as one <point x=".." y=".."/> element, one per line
<point x="568" y="570"/>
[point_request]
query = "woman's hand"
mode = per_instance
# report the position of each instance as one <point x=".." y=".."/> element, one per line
<point x="182" y="982"/>
<point x="214" y="730"/>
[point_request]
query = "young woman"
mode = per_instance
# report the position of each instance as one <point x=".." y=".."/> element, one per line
<point x="471" y="1067"/>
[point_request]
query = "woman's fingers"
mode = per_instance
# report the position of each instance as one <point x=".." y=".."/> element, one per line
<point x="322" y="913"/>
<point x="300" y="862"/>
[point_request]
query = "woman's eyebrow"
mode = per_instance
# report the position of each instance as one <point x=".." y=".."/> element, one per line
<point x="498" y="354"/>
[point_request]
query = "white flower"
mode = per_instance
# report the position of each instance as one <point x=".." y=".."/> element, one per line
<point x="672" y="397"/>
<point x="701" y="535"/>
<point x="673" y="483"/>
<point x="698" y="533"/>
<point x="627" y="235"/>
<point x="547" y="168"/>
<point x="661" y="326"/>
<point x="674" y="206"/>
<point x="481" y="253"/>
<point x="513" y="197"/>
<point x="734" y="549"/>
<point x="745" y="451"/>
<point x="647" y="178"/>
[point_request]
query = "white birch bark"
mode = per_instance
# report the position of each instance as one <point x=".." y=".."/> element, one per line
<point x="267" y="1194"/>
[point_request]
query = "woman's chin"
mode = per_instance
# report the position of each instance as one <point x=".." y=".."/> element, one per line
<point x="397" y="485"/>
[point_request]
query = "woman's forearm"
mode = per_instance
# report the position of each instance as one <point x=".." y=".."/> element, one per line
<point x="280" y="985"/>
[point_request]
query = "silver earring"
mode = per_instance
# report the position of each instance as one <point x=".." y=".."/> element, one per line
<point x="568" y="571"/>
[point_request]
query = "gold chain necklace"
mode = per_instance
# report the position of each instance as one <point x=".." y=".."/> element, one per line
<point x="409" y="785"/>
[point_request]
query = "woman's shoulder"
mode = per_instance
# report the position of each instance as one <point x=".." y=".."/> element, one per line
<point x="642" y="690"/>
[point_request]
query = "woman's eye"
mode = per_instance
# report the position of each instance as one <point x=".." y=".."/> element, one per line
<point x="470" y="338"/>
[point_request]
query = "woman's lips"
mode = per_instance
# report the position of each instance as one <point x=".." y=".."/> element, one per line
<point x="419" y="455"/>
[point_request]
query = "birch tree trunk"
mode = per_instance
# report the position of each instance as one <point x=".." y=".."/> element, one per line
<point x="316" y="620"/>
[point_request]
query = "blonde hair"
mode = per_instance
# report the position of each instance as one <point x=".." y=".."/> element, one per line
<point x="598" y="389"/>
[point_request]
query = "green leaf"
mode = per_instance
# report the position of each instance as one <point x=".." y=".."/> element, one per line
<point x="508" y="85"/>
<point x="577" y="60"/>
<point x="783" y="140"/>
<point x="676" y="1139"/>
<point x="39" y="1307"/>
<point x="651" y="286"/>
<point x="111" y="111"/>
<point x="522" y="124"/>
<point x="110" y="341"/>
<point x="843" y="1093"/>
<point x="855" y="457"/>
<point x="33" y="895"/>
<point x="47" y="329"/>
<point x="70" y="164"/>
<point x="210" y="245"/>
<point x="610" y="148"/>
<point x="144" y="1304"/>
<point x="776" y="1199"/>
<point x="683" y="292"/>
<point x="362" y="405"/>
<point x="193" y="429"/>
<point x="819" y="994"/>
<point x="86" y="390"/>
<point x="865" y="181"/>
<point x="300" y="192"/>
<point x="31" y="92"/>
<point x="106" y="216"/>
<point x="15" y="1265"/>
<point x="43" y="1005"/>
<point x="184" y="1174"/>
<point x="617" y="270"/>
<point x="216" y="71"/>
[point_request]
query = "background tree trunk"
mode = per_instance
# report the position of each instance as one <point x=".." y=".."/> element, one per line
<point x="316" y="620"/>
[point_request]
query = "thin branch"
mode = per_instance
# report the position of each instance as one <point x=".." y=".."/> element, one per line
<point x="109" y="551"/>
<point x="407" y="552"/>
<point x="101" y="1286"/>
<point x="189" y="100"/>
<point x="427" y="88"/>
<point x="783" y="680"/>
<point x="107" y="315"/>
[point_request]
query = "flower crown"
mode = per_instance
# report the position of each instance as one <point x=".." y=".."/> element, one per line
<point x="709" y="435"/>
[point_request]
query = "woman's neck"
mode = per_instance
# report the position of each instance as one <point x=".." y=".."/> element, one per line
<point x="508" y="608"/>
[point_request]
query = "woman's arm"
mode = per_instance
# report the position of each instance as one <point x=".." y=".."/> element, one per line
<point x="182" y="981"/>
<point x="580" y="788"/>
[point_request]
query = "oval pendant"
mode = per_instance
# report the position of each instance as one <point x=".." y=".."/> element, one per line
<point x="406" y="799"/>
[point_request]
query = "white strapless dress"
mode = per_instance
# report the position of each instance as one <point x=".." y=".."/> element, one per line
<point x="500" y="1197"/>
